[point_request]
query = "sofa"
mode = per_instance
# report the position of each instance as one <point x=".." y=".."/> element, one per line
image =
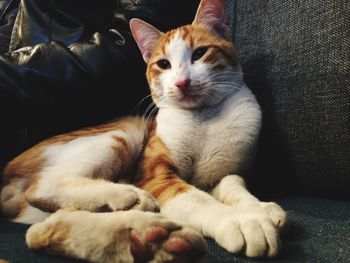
<point x="295" y="58"/>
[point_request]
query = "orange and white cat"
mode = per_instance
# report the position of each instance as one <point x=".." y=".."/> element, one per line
<point x="92" y="194"/>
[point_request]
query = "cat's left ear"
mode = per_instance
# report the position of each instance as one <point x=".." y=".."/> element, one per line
<point x="145" y="36"/>
<point x="212" y="13"/>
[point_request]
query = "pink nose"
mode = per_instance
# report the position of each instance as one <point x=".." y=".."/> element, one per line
<point x="183" y="84"/>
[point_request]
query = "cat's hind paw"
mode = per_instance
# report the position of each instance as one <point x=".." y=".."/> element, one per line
<point x="161" y="245"/>
<point x="130" y="236"/>
<point x="160" y="240"/>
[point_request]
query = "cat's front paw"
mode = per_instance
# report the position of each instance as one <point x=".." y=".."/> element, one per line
<point x="253" y="230"/>
<point x="146" y="202"/>
<point x="120" y="197"/>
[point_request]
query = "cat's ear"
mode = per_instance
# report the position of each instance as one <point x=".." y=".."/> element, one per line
<point x="212" y="13"/>
<point x="145" y="35"/>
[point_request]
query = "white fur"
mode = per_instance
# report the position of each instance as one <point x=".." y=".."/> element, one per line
<point x="83" y="157"/>
<point x="231" y="190"/>
<point x="31" y="215"/>
<point x="212" y="142"/>
<point x="90" y="156"/>
<point x="86" y="156"/>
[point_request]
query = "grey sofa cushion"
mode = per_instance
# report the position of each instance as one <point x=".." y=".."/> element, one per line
<point x="296" y="58"/>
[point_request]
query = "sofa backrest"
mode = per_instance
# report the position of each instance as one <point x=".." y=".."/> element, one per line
<point x="296" y="59"/>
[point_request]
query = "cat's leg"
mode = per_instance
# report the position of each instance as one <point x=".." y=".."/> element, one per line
<point x="128" y="236"/>
<point x="88" y="194"/>
<point x="72" y="170"/>
<point x="231" y="190"/>
<point x="236" y="229"/>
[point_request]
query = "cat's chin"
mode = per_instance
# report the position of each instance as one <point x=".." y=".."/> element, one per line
<point x="190" y="99"/>
<point x="195" y="102"/>
<point x="190" y="102"/>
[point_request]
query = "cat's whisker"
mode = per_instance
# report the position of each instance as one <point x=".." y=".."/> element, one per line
<point x="150" y="116"/>
<point x="147" y="116"/>
<point x="141" y="101"/>
<point x="216" y="95"/>
<point x="149" y="108"/>
<point x="222" y="85"/>
<point x="152" y="104"/>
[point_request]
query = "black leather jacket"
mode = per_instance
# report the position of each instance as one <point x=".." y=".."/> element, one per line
<point x="67" y="64"/>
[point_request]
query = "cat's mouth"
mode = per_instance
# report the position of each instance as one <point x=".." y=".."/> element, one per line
<point x="189" y="101"/>
<point x="189" y="93"/>
<point x="189" y="97"/>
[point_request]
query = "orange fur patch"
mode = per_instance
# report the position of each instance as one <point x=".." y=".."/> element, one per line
<point x="158" y="175"/>
<point x="50" y="237"/>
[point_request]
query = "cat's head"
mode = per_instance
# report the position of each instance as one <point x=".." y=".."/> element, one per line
<point x="191" y="66"/>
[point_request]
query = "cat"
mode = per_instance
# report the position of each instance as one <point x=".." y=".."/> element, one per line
<point x="94" y="194"/>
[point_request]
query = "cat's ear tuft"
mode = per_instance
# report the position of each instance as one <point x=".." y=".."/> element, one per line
<point x="212" y="13"/>
<point x="145" y="35"/>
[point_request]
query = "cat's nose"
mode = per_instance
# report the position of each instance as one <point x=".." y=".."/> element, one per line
<point x="183" y="83"/>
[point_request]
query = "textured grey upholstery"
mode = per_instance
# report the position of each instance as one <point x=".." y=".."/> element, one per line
<point x="296" y="58"/>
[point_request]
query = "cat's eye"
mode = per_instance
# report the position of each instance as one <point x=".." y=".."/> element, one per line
<point x="198" y="53"/>
<point x="164" y="64"/>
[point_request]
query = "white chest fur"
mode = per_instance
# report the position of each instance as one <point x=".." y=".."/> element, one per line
<point x="211" y="143"/>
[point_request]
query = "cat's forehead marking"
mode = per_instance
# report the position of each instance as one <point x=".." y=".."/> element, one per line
<point x="178" y="49"/>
